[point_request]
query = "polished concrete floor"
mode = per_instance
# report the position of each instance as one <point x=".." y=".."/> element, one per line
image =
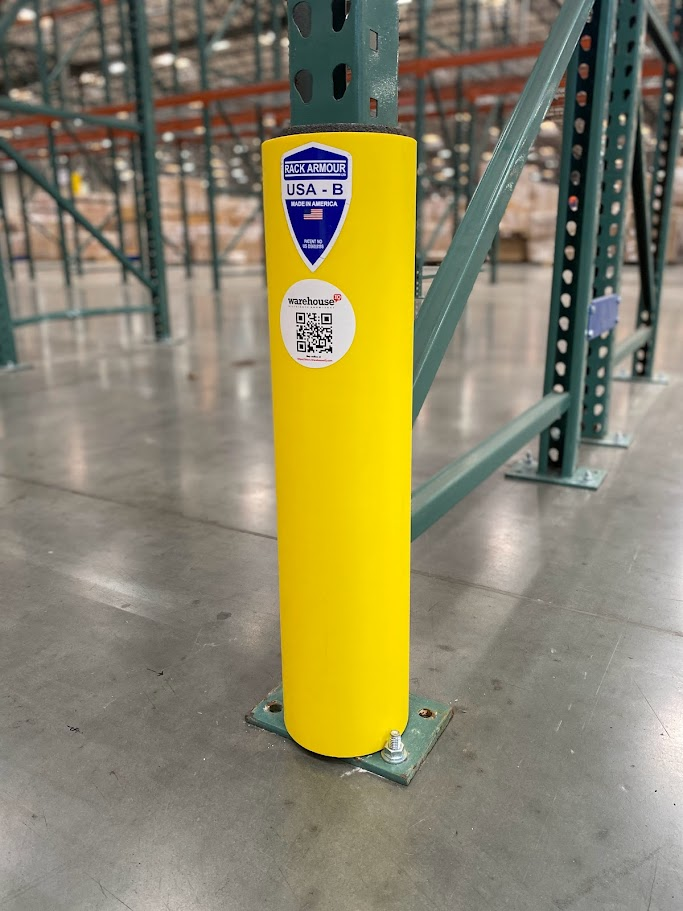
<point x="138" y="624"/>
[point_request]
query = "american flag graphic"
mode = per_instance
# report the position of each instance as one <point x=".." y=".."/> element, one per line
<point x="313" y="215"/>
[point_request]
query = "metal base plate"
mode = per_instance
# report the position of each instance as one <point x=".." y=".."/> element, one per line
<point x="14" y="368"/>
<point x="426" y="722"/>
<point x="616" y="440"/>
<point x="172" y="342"/>
<point x="587" y="478"/>
<point x="660" y="379"/>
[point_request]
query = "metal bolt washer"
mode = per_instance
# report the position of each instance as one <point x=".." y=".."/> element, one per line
<point x="394" y="752"/>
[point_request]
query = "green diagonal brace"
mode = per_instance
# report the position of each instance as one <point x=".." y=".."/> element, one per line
<point x="66" y="205"/>
<point x="224" y="24"/>
<point x="661" y="36"/>
<point x="67" y="56"/>
<point x="450" y="290"/>
<point x="241" y="231"/>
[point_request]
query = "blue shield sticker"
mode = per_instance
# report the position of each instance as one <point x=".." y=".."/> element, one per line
<point x="316" y="192"/>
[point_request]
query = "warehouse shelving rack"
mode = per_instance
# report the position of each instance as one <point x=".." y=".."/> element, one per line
<point x="214" y="128"/>
<point x="74" y="143"/>
<point x="456" y="110"/>
<point x="142" y="133"/>
<point x="625" y="155"/>
<point x="602" y="87"/>
<point x="465" y="138"/>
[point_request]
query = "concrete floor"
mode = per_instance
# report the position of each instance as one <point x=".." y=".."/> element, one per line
<point x="138" y="624"/>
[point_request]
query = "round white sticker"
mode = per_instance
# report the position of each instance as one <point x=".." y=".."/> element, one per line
<point x="317" y="323"/>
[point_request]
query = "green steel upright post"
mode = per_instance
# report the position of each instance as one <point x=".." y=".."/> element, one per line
<point x="494" y="254"/>
<point x="23" y="203"/>
<point x="471" y="162"/>
<point x="258" y="56"/>
<point x="78" y="259"/>
<point x="52" y="149"/>
<point x="61" y="95"/>
<point x="6" y="73"/>
<point x="145" y="115"/>
<point x="277" y="31"/>
<point x="420" y="102"/>
<point x="136" y="165"/>
<point x="133" y="145"/>
<point x="8" y="351"/>
<point x="374" y="74"/>
<point x="435" y="92"/>
<point x="465" y="165"/>
<point x="237" y="139"/>
<point x="641" y="213"/>
<point x="208" y="144"/>
<point x="495" y="246"/>
<point x="459" y="116"/>
<point x="587" y="98"/>
<point x="8" y="236"/>
<point x="661" y="194"/>
<point x="588" y="89"/>
<point x="182" y="188"/>
<point x="258" y="59"/>
<point x="115" y="182"/>
<point x="184" y="214"/>
<point x="618" y="158"/>
<point x="27" y="225"/>
<point x="125" y="46"/>
<point x="6" y="22"/>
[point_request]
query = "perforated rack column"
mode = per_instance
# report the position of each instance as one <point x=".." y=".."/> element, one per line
<point x="586" y="108"/>
<point x="41" y="59"/>
<point x="150" y="186"/>
<point x="661" y="196"/>
<point x="8" y="351"/>
<point x="616" y="185"/>
<point x="345" y="63"/>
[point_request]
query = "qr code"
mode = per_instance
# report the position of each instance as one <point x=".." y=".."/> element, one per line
<point x="313" y="333"/>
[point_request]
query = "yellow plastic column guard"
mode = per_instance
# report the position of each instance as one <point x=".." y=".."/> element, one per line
<point x="341" y="336"/>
